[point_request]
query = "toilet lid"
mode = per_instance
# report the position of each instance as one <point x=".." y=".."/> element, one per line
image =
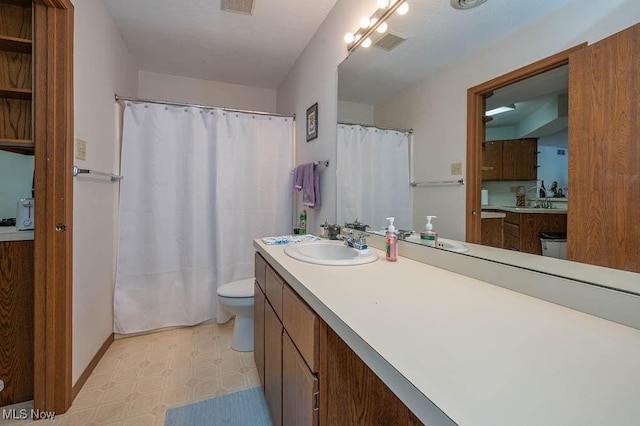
<point x="240" y="288"/>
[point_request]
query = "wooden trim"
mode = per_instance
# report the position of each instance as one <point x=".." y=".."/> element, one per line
<point x="322" y="374"/>
<point x="476" y="129"/>
<point x="53" y="139"/>
<point x="92" y="365"/>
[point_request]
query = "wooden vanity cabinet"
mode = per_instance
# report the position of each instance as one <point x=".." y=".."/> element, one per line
<point x="515" y="159"/>
<point x="310" y="375"/>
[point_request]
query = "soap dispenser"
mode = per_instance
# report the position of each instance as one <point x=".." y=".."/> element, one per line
<point x="391" y="239"/>
<point x="428" y="236"/>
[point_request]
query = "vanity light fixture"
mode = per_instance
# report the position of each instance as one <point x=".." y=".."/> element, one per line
<point x="500" y="110"/>
<point x="386" y="8"/>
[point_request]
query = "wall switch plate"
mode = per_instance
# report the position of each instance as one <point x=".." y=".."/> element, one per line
<point x="81" y="149"/>
<point x="456" y="169"/>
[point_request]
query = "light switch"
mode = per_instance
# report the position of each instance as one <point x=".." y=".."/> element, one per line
<point x="456" y="169"/>
<point x="81" y="149"/>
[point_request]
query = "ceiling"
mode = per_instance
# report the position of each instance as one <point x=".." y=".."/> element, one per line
<point x="441" y="34"/>
<point x="195" y="38"/>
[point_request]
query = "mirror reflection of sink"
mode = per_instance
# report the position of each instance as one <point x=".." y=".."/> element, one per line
<point x="330" y="253"/>
<point x="443" y="243"/>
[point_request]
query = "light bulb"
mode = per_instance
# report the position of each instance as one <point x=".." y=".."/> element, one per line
<point x="383" y="4"/>
<point x="373" y="22"/>
<point x="358" y="37"/>
<point x="404" y="8"/>
<point x="366" y="42"/>
<point x="382" y="28"/>
<point x="365" y="22"/>
<point x="349" y="38"/>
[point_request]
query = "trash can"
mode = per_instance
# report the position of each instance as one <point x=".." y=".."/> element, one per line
<point x="554" y="244"/>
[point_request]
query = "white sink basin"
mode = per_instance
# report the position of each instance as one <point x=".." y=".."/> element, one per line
<point x="334" y="253"/>
<point x="443" y="243"/>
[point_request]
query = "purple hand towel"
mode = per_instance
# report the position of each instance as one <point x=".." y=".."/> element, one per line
<point x="306" y="177"/>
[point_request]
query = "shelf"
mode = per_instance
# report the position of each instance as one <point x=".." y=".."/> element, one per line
<point x="15" y="44"/>
<point x="13" y="93"/>
<point x="23" y="3"/>
<point x="18" y="146"/>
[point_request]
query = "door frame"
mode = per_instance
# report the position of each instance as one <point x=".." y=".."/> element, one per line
<point x="476" y="131"/>
<point x="53" y="139"/>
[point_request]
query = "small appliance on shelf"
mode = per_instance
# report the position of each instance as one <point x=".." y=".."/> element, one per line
<point x="25" y="214"/>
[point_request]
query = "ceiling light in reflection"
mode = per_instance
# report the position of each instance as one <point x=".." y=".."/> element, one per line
<point x="403" y="9"/>
<point x="366" y="42"/>
<point x="365" y="22"/>
<point x="382" y="28"/>
<point x="383" y="4"/>
<point x="349" y="38"/>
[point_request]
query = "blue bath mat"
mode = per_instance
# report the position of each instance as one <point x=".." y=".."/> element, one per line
<point x="244" y="408"/>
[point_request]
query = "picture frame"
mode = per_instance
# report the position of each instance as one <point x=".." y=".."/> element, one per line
<point x="312" y="122"/>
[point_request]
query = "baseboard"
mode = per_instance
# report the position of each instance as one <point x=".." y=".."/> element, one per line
<point x="92" y="365"/>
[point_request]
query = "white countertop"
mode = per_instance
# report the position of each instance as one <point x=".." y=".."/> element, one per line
<point x="483" y="354"/>
<point x="492" y="215"/>
<point x="9" y="233"/>
<point x="514" y="209"/>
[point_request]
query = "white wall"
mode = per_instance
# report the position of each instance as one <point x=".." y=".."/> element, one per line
<point x="355" y="113"/>
<point x="439" y="101"/>
<point x="16" y="179"/>
<point x="192" y="90"/>
<point x="103" y="66"/>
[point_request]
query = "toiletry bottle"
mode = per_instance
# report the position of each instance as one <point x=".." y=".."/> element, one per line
<point x="303" y="222"/>
<point x="391" y="241"/>
<point x="428" y="236"/>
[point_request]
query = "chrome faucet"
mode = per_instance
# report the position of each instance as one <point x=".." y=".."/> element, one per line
<point x="358" y="242"/>
<point x="544" y="204"/>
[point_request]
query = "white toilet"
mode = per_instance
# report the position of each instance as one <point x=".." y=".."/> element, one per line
<point x="237" y="298"/>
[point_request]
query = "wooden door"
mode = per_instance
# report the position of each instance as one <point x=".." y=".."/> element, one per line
<point x="258" y="330"/>
<point x="273" y="364"/>
<point x="604" y="152"/>
<point x="299" y="388"/>
<point x="492" y="160"/>
<point x="519" y="159"/>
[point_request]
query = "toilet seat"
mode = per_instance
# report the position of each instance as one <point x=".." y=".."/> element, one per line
<point x="237" y="289"/>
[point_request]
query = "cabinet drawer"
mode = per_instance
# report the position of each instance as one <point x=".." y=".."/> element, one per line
<point x="273" y="291"/>
<point x="260" y="271"/>
<point x="302" y="324"/>
<point x="299" y="388"/>
<point x="512" y="218"/>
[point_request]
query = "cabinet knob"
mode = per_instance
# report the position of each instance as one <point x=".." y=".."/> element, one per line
<point x="473" y="212"/>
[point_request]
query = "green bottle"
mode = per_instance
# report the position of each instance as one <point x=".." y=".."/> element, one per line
<point x="303" y="222"/>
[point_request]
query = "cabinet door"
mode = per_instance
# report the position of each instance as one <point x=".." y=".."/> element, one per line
<point x="299" y="388"/>
<point x="492" y="160"/>
<point x="520" y="159"/>
<point x="258" y="330"/>
<point x="273" y="364"/>
<point x="511" y="236"/>
<point x="492" y="232"/>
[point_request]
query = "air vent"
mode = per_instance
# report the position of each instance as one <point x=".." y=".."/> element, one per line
<point x="466" y="4"/>
<point x="238" y="6"/>
<point x="389" y="41"/>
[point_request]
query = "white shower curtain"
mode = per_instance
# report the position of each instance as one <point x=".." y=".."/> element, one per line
<point x="373" y="176"/>
<point x="198" y="186"/>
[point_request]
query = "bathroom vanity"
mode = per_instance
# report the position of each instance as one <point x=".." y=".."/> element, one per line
<point x="410" y="343"/>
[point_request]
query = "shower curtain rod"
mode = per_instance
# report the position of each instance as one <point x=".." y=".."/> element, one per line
<point x="377" y="127"/>
<point x="184" y="104"/>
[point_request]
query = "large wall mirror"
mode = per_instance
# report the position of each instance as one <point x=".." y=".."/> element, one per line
<point x="520" y="148"/>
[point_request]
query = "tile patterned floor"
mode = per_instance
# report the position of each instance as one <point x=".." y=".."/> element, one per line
<point x="140" y="377"/>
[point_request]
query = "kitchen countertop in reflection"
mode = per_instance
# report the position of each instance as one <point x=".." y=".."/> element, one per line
<point x="9" y="233"/>
<point x="514" y="209"/>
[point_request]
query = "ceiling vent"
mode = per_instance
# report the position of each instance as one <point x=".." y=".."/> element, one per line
<point x="389" y="41"/>
<point x="466" y="4"/>
<point x="238" y="6"/>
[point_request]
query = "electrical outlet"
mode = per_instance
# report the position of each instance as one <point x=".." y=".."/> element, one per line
<point x="456" y="169"/>
<point x="81" y="149"/>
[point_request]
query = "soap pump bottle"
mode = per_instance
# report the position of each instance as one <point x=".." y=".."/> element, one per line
<point x="391" y="239"/>
<point x="428" y="236"/>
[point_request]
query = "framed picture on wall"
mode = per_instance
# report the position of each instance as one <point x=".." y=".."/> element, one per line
<point x="312" y="122"/>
